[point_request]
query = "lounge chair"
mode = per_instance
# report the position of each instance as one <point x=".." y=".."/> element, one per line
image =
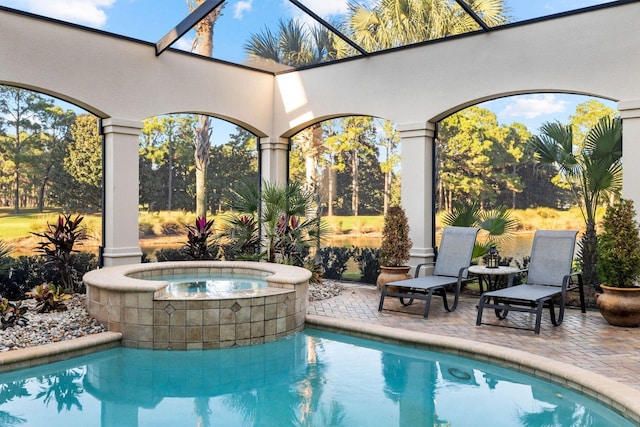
<point x="452" y="262"/>
<point x="549" y="277"/>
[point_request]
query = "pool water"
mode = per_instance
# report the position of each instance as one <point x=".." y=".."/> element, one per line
<point x="313" y="378"/>
<point x="210" y="285"/>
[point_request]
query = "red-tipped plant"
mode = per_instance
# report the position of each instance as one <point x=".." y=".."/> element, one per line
<point x="198" y="236"/>
<point x="57" y="247"/>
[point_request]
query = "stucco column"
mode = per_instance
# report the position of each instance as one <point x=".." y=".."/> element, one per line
<point x="417" y="186"/>
<point x="630" y="114"/>
<point x="274" y="154"/>
<point x="120" y="210"/>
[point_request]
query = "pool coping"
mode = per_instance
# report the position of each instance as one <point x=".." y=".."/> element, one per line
<point x="620" y="397"/>
<point x="57" y="351"/>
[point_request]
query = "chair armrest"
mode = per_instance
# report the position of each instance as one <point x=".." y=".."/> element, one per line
<point x="424" y="264"/>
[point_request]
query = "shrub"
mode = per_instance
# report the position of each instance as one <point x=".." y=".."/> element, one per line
<point x="145" y="229"/>
<point x="25" y="273"/>
<point x="49" y="298"/>
<point x="57" y="247"/>
<point x="198" y="236"/>
<point x="618" y="260"/>
<point x="169" y="227"/>
<point x="12" y="314"/>
<point x="395" y="246"/>
<point x="170" y="254"/>
<point x="367" y="259"/>
<point x="334" y="261"/>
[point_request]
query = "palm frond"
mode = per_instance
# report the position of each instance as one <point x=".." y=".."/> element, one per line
<point x="462" y="215"/>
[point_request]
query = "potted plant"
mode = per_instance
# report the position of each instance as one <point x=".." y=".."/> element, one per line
<point x="394" y="249"/>
<point x="619" y="266"/>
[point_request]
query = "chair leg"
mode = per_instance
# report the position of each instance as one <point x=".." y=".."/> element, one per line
<point x="583" y="306"/>
<point x="382" y="296"/>
<point x="480" y="310"/>
<point x="427" y="303"/>
<point x="539" y="316"/>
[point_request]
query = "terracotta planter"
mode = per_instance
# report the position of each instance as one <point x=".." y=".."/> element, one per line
<point x="392" y="274"/>
<point x="620" y="306"/>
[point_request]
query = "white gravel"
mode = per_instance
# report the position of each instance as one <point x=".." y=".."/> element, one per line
<point x="45" y="328"/>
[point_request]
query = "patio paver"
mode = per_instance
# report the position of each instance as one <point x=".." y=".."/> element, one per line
<point x="583" y="340"/>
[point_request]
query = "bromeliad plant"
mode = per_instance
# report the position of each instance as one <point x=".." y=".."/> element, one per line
<point x="57" y="248"/>
<point x="49" y="298"/>
<point x="198" y="239"/>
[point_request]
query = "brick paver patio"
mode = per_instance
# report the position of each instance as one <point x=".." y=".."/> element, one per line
<point x="584" y="340"/>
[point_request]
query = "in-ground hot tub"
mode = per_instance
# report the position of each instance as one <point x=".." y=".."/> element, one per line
<point x="149" y="314"/>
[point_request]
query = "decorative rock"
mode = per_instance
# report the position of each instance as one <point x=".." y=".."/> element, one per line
<point x="45" y="328"/>
<point x="75" y="322"/>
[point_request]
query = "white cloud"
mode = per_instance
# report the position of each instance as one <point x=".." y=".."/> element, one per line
<point x="184" y="43"/>
<point x="241" y="7"/>
<point x="326" y="8"/>
<point x="533" y="106"/>
<point x="85" y="12"/>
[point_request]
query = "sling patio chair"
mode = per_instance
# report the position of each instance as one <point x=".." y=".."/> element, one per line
<point x="549" y="277"/>
<point x="451" y="268"/>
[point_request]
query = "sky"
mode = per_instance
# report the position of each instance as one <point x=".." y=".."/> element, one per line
<point x="150" y="20"/>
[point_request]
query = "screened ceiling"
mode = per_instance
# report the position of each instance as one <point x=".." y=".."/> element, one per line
<point x="280" y="35"/>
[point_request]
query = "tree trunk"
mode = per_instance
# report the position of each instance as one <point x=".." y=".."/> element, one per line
<point x="202" y="150"/>
<point x="354" y="182"/>
<point x="41" y="190"/>
<point x="588" y="255"/>
<point x="170" y="177"/>
<point x="203" y="45"/>
<point x="387" y="183"/>
<point x="331" y="184"/>
<point x="16" y="191"/>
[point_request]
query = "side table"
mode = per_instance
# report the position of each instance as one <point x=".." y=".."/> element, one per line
<point x="491" y="276"/>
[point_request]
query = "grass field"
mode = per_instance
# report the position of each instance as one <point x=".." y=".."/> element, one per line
<point x="160" y="224"/>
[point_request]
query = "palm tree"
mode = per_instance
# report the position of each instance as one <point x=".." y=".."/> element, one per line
<point x="497" y="224"/>
<point x="203" y="45"/>
<point x="287" y="214"/>
<point x="295" y="45"/>
<point x="593" y="173"/>
<point x="392" y="23"/>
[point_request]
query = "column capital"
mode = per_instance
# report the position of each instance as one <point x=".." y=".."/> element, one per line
<point x="123" y="126"/>
<point x="629" y="109"/>
<point x="416" y="130"/>
<point x="274" y="143"/>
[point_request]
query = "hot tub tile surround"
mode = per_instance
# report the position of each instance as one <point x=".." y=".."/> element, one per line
<point x="147" y="317"/>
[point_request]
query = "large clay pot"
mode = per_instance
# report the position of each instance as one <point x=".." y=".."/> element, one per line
<point x="392" y="274"/>
<point x="620" y="306"/>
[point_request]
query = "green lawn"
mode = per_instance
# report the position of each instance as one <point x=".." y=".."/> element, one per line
<point x="14" y="226"/>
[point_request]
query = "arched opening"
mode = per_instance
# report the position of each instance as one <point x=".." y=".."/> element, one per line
<point x="168" y="173"/>
<point x="488" y="165"/>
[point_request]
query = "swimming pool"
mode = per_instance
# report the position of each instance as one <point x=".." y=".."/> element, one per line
<point x="313" y="378"/>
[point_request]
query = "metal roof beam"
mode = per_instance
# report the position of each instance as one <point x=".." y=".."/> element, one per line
<point x="463" y="4"/>
<point x="330" y="27"/>
<point x="187" y="23"/>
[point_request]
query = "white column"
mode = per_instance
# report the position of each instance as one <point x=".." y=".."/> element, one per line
<point x="274" y="154"/>
<point x="417" y="141"/>
<point x="120" y="210"/>
<point x="630" y="114"/>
